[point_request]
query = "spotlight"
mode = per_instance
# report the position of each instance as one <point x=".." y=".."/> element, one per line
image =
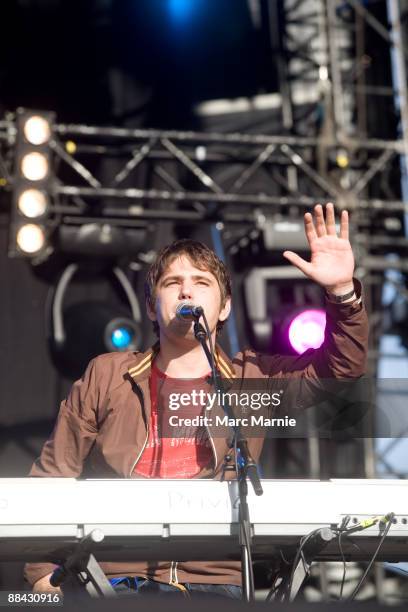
<point x="285" y="310"/>
<point x="120" y="338"/>
<point x="342" y="158"/>
<point x="86" y="326"/>
<point x="33" y="184"/>
<point x="306" y="330"/>
<point x="181" y="10"/>
<point x="32" y="203"/>
<point x="122" y="335"/>
<point x="30" y="238"/>
<point x="101" y="239"/>
<point x="34" y="166"/>
<point x="37" y="130"/>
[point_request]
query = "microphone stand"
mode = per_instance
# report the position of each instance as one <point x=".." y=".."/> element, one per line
<point x="246" y="466"/>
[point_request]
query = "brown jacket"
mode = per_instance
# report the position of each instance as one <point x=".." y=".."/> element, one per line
<point x="102" y="423"/>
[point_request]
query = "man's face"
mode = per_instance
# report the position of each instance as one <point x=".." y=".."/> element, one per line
<point x="182" y="281"/>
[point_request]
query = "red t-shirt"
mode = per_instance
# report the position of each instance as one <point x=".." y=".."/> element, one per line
<point x="183" y="455"/>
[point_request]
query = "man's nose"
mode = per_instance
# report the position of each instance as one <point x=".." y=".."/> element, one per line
<point x="186" y="291"/>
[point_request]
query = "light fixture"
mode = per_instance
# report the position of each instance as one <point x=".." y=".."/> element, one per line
<point x="100" y="239"/>
<point x="31" y="224"/>
<point x="34" y="166"/>
<point x="284" y="309"/>
<point x="122" y="335"/>
<point x="30" y="238"/>
<point x="83" y="327"/>
<point x="37" y="130"/>
<point x="32" y="203"/>
<point x="306" y="330"/>
<point x="342" y="158"/>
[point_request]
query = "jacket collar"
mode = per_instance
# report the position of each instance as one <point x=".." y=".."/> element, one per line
<point x="224" y="363"/>
<point x="142" y="366"/>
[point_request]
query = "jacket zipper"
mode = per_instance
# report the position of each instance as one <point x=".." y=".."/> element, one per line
<point x="173" y="574"/>
<point x="212" y="446"/>
<point x="144" y="445"/>
<point x="140" y="454"/>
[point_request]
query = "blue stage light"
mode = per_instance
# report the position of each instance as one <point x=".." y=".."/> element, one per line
<point x="121" y="338"/>
<point x="122" y="334"/>
<point x="181" y="10"/>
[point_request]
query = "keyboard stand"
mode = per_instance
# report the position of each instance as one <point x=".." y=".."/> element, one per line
<point x="84" y="569"/>
<point x="293" y="578"/>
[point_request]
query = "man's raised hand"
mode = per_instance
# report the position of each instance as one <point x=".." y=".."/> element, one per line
<point x="331" y="257"/>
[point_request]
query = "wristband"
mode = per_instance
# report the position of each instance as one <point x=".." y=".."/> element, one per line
<point x="339" y="299"/>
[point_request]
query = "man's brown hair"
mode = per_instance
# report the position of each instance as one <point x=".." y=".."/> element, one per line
<point x="201" y="256"/>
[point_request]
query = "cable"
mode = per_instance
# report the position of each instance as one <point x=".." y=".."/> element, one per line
<point x="344" y="566"/>
<point x="299" y="554"/>
<point x="274" y="586"/>
<point x="342" y="529"/>
<point x="210" y="342"/>
<point x="363" y="577"/>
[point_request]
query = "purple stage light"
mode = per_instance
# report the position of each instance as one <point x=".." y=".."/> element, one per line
<point x="307" y="330"/>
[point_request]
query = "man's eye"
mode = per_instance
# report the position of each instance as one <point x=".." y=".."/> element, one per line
<point x="203" y="283"/>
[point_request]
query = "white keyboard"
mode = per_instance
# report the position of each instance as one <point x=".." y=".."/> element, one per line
<point x="41" y="518"/>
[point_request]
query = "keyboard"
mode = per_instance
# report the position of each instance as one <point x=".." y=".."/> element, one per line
<point x="147" y="519"/>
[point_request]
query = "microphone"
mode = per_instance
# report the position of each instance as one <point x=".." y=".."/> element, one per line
<point x="186" y="311"/>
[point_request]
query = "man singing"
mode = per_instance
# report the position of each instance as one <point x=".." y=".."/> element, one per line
<point x="110" y="421"/>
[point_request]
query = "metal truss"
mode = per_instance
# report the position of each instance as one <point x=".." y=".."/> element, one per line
<point x="326" y="55"/>
<point x="327" y="58"/>
<point x="127" y="177"/>
<point x="204" y="176"/>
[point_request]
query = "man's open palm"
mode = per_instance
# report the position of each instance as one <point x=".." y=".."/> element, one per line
<point x="331" y="257"/>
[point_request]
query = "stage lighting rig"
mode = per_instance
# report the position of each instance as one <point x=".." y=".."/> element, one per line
<point x="37" y="130"/>
<point x="306" y="329"/>
<point x="32" y="184"/>
<point x="30" y="238"/>
<point x="84" y="323"/>
<point x="284" y="310"/>
<point x="32" y="203"/>
<point x="122" y="334"/>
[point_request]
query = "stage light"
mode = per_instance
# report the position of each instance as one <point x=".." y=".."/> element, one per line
<point x="121" y="338"/>
<point x="307" y="330"/>
<point x="34" y="166"/>
<point x="30" y="238"/>
<point x="32" y="203"/>
<point x="121" y="335"/>
<point x="181" y="10"/>
<point x="101" y="239"/>
<point x="342" y="158"/>
<point x="37" y="130"/>
<point x="32" y="186"/>
<point x="83" y="326"/>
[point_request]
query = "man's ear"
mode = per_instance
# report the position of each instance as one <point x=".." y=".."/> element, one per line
<point x="151" y="312"/>
<point x="225" y="311"/>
